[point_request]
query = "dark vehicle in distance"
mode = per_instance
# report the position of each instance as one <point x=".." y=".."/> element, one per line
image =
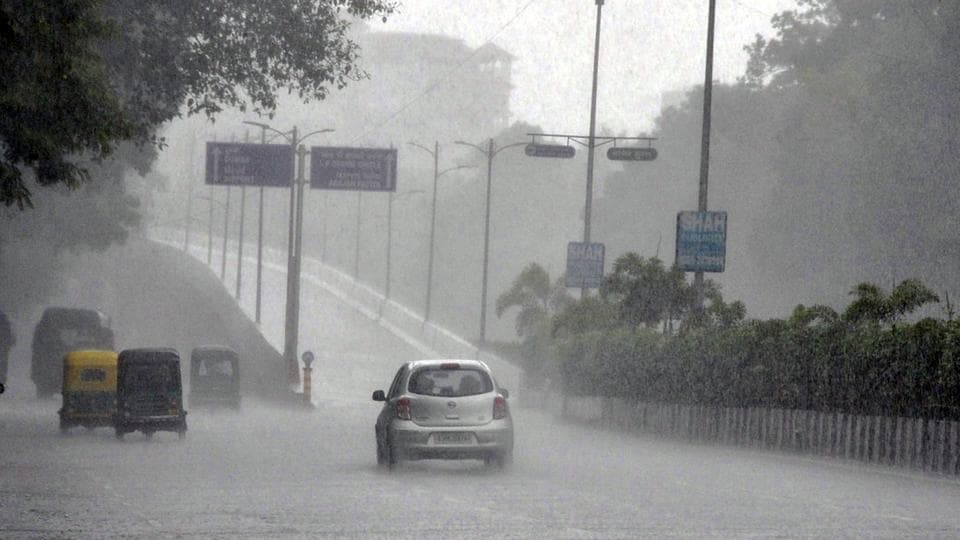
<point x="149" y="392"/>
<point x="214" y="377"/>
<point x="60" y="331"/>
<point x="444" y="409"/>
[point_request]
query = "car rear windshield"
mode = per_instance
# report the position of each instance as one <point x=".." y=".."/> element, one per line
<point x="447" y="382"/>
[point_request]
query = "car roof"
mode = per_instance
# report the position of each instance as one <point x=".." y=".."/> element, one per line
<point x="212" y="349"/>
<point x="476" y="364"/>
<point x="148" y="353"/>
<point x="90" y="357"/>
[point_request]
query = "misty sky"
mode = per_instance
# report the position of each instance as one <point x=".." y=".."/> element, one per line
<point x="647" y="47"/>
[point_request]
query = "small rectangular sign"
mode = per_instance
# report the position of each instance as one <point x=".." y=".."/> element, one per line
<point x="353" y="169"/>
<point x="701" y="241"/>
<point x="243" y="164"/>
<point x="550" y="150"/>
<point x="585" y="264"/>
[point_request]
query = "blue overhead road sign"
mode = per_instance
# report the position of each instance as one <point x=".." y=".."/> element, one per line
<point x="242" y="164"/>
<point x="353" y="169"/>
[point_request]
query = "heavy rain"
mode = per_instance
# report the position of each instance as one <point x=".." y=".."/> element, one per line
<point x="414" y="269"/>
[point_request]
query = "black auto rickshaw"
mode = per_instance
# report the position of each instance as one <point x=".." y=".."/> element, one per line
<point x="149" y="392"/>
<point x="214" y="377"/>
<point x="89" y="389"/>
<point x="59" y="331"/>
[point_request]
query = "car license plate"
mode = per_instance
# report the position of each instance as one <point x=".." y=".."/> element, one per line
<point x="453" y="437"/>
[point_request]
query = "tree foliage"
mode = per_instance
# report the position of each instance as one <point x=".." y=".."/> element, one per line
<point x="82" y="76"/>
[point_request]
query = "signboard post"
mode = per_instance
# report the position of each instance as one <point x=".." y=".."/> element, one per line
<point x="585" y="265"/>
<point x="353" y="169"/>
<point x="701" y="241"/>
<point x="243" y="164"/>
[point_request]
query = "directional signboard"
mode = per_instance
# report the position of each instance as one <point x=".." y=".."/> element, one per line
<point x="701" y="241"/>
<point x="242" y="164"/>
<point x="584" y="264"/>
<point x="549" y="150"/>
<point x="631" y="153"/>
<point x="353" y="169"/>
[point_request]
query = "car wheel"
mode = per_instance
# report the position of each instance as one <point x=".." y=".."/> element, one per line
<point x="502" y="460"/>
<point x="118" y="433"/>
<point x="382" y="459"/>
<point x="393" y="457"/>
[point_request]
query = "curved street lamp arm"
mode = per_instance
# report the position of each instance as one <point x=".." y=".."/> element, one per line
<point x="325" y="130"/>
<point x="261" y="125"/>
<point x="420" y="146"/>
<point x="478" y="148"/>
<point x="457" y="168"/>
<point x="498" y="150"/>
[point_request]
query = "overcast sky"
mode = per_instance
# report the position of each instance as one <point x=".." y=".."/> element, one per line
<point x="647" y="47"/>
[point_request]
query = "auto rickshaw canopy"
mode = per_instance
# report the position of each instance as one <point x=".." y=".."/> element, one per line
<point x="90" y="370"/>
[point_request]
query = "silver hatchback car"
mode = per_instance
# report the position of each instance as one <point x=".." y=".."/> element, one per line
<point x="444" y="409"/>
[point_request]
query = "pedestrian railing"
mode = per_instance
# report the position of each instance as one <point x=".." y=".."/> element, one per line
<point x="918" y="443"/>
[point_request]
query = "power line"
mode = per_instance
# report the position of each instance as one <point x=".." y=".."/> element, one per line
<point x="443" y="78"/>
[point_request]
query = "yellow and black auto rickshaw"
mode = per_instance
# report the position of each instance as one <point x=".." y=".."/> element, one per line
<point x="149" y="392"/>
<point x="89" y="389"/>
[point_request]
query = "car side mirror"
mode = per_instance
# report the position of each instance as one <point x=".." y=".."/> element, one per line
<point x="379" y="396"/>
<point x="505" y="393"/>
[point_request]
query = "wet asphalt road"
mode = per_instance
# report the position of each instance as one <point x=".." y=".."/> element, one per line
<point x="281" y="471"/>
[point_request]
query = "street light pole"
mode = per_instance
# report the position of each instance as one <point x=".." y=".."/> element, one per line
<point x="294" y="247"/>
<point x="588" y="205"/>
<point x="705" y="143"/>
<point x="210" y="228"/>
<point x="433" y="218"/>
<point x="490" y="153"/>
<point x="356" y="252"/>
<point x="226" y="223"/>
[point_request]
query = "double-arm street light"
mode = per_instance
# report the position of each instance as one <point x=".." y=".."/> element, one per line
<point x="433" y="215"/>
<point x="490" y="152"/>
<point x="294" y="245"/>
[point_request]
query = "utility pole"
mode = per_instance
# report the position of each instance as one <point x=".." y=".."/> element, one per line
<point x="190" y="171"/>
<point x="356" y="252"/>
<point x="490" y="153"/>
<point x="593" y="124"/>
<point x="210" y="227"/>
<point x="294" y="245"/>
<point x="226" y="222"/>
<point x="243" y="204"/>
<point x="705" y="143"/>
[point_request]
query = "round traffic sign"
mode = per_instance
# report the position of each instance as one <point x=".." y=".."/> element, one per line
<point x="307" y="358"/>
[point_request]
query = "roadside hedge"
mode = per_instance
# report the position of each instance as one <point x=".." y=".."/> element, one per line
<point x="904" y="370"/>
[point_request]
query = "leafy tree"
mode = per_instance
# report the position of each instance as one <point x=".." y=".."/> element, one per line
<point x="872" y="305"/>
<point x="535" y="297"/>
<point x="80" y="76"/>
<point x="646" y="292"/>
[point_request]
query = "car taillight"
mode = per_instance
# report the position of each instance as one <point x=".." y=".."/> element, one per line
<point x="403" y="408"/>
<point x="499" y="408"/>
